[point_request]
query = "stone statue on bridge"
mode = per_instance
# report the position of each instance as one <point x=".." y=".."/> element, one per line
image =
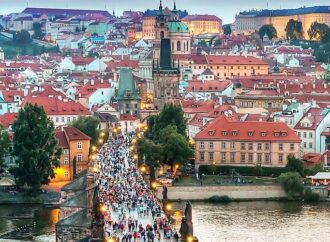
<point x="165" y="194"/>
<point x="186" y="229"/>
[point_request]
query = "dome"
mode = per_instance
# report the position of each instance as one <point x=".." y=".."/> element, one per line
<point x="177" y="27"/>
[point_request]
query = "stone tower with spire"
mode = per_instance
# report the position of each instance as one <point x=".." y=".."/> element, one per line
<point x="160" y="29"/>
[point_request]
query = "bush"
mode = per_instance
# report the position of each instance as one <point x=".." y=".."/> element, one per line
<point x="310" y="196"/>
<point x="292" y="184"/>
<point x="242" y="170"/>
<point x="219" y="199"/>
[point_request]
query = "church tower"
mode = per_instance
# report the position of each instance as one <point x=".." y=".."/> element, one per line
<point x="161" y="29"/>
<point x="166" y="76"/>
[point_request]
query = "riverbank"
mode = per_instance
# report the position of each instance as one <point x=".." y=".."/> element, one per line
<point x="47" y="197"/>
<point x="235" y="193"/>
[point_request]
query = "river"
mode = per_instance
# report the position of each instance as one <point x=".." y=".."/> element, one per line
<point x="243" y="221"/>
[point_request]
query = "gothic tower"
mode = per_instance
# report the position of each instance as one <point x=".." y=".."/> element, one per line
<point x="161" y="29"/>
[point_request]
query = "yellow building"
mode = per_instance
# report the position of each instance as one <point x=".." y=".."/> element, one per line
<point x="225" y="66"/>
<point x="249" y="22"/>
<point x="245" y="143"/>
<point x="203" y="24"/>
<point x="75" y="153"/>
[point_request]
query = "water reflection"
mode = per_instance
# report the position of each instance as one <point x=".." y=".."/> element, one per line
<point x="260" y="221"/>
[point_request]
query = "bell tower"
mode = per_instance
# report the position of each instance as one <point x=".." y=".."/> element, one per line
<point x="161" y="29"/>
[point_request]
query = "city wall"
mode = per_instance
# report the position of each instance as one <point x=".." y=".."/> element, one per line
<point x="235" y="192"/>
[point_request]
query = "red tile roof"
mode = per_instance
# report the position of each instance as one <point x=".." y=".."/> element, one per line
<point x="314" y="116"/>
<point x="234" y="60"/>
<point x="60" y="136"/>
<point x="88" y="89"/>
<point x="199" y="107"/>
<point x="126" y="117"/>
<point x="7" y="119"/>
<point x="207" y="86"/>
<point x="72" y="133"/>
<point x="224" y="129"/>
<point x="9" y="95"/>
<point x="55" y="106"/>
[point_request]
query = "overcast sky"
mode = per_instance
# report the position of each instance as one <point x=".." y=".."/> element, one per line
<point x="225" y="9"/>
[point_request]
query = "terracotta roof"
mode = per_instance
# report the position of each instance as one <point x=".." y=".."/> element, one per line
<point x="124" y="117"/>
<point x="88" y="89"/>
<point x="55" y="106"/>
<point x="313" y="117"/>
<point x="199" y="107"/>
<point x="197" y="120"/>
<point x="224" y="129"/>
<point x="234" y="60"/>
<point x="82" y="60"/>
<point x="7" y="119"/>
<point x="207" y="86"/>
<point x="73" y="133"/>
<point x="60" y="136"/>
<point x="9" y="95"/>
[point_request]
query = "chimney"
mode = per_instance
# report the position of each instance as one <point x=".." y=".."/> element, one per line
<point x="309" y="115"/>
<point x="92" y="82"/>
<point x="314" y="85"/>
<point x="101" y="80"/>
<point x="301" y="86"/>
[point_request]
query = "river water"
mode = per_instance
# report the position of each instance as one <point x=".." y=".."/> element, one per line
<point x="244" y="221"/>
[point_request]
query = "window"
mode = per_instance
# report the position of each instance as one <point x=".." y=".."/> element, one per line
<point x="280" y="158"/>
<point x="232" y="156"/>
<point x="291" y="146"/>
<point x="266" y="146"/>
<point x="79" y="145"/>
<point x="267" y="158"/>
<point x="224" y="133"/>
<point x="280" y="146"/>
<point x="259" y="146"/>
<point x="65" y="151"/>
<point x="68" y="119"/>
<point x="250" y="157"/>
<point x="305" y="134"/>
<point x="57" y="119"/>
<point x="250" y="146"/>
<point x="259" y="157"/>
<point x="299" y="134"/>
<point x="66" y="174"/>
<point x="201" y="145"/>
<point x="310" y="134"/>
<point x="79" y="157"/>
<point x="201" y="156"/>
<point x="305" y="145"/>
<point x="242" y="157"/>
<point x="223" y="145"/>
<point x="310" y="145"/>
<point x="62" y="119"/>
<point x="210" y="156"/>
<point x="223" y="156"/>
<point x="232" y="145"/>
<point x="211" y="145"/>
<point x="66" y="161"/>
<point x="242" y="146"/>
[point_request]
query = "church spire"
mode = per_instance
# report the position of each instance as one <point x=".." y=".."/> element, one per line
<point x="174" y="8"/>
<point x="113" y="13"/>
<point x="160" y="5"/>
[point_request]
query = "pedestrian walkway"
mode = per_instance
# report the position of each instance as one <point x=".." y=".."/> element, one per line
<point x="131" y="210"/>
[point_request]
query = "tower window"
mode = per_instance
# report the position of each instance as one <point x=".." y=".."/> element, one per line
<point x="178" y="46"/>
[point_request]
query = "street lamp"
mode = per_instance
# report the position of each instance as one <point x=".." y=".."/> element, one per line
<point x="100" y="141"/>
<point x="94" y="148"/>
<point x="168" y="207"/>
<point x="102" y="208"/>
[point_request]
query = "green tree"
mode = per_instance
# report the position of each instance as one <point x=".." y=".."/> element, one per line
<point x="4" y="146"/>
<point x="37" y="30"/>
<point x="35" y="148"/>
<point x="176" y="148"/>
<point x="226" y="29"/>
<point x="170" y="115"/>
<point x="89" y="126"/>
<point x="294" y="30"/>
<point x="319" y="32"/>
<point x="151" y="154"/>
<point x="322" y="53"/>
<point x="295" y="165"/>
<point x="23" y="37"/>
<point x="292" y="184"/>
<point x="268" y="29"/>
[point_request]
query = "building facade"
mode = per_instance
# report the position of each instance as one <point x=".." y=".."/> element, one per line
<point x="245" y="143"/>
<point x="203" y="24"/>
<point x="250" y="21"/>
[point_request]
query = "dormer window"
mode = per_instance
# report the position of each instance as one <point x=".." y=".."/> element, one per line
<point x="276" y="134"/>
<point x="234" y="132"/>
<point x="224" y="133"/>
<point x="284" y="134"/>
<point x="263" y="133"/>
<point x="250" y="133"/>
<point x="211" y="132"/>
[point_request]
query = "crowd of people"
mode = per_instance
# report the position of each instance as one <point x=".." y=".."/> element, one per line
<point x="131" y="210"/>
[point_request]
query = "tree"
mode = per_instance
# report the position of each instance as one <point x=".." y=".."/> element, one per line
<point x="35" y="147"/>
<point x="170" y="115"/>
<point x="4" y="146"/>
<point x="37" y="30"/>
<point x="319" y="32"/>
<point x="292" y="184"/>
<point x="322" y="53"/>
<point x="226" y="29"/>
<point x="294" y="30"/>
<point x="175" y="146"/>
<point x="89" y="126"/>
<point x="23" y="37"/>
<point x="295" y="165"/>
<point x="151" y="154"/>
<point x="268" y="29"/>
